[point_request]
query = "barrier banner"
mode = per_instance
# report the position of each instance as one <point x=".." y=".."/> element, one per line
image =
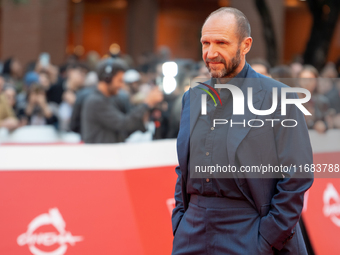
<point x="321" y="213"/>
<point x="121" y="210"/>
<point x="86" y="212"/>
<point x="117" y="199"/>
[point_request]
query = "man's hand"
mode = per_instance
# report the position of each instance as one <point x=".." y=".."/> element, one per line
<point x="41" y="100"/>
<point x="154" y="97"/>
<point x="320" y="127"/>
<point x="10" y="123"/>
<point x="69" y="97"/>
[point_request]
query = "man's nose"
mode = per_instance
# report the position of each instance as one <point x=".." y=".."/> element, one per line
<point x="212" y="52"/>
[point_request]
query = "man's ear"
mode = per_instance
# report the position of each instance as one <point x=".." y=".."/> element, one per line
<point x="246" y="45"/>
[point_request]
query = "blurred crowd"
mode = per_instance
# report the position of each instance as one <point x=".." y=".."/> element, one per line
<point x="45" y="94"/>
<point x="324" y="87"/>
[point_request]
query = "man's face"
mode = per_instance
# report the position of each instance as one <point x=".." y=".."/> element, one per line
<point x="2" y="83"/>
<point x="77" y="76"/>
<point x="221" y="46"/>
<point x="308" y="80"/>
<point x="260" y="69"/>
<point x="16" y="68"/>
<point x="117" y="83"/>
<point x="10" y="94"/>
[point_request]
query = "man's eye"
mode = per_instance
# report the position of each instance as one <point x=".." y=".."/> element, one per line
<point x="205" y="43"/>
<point x="221" y="43"/>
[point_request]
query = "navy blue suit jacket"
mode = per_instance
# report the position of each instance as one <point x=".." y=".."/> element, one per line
<point x="279" y="201"/>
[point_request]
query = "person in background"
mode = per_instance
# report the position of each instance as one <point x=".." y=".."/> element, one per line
<point x="12" y="72"/>
<point x="92" y="59"/>
<point x="176" y="108"/>
<point x="101" y="119"/>
<point x="331" y="88"/>
<point x="261" y="66"/>
<point x="72" y="78"/>
<point x="334" y="96"/>
<point x="75" y="79"/>
<point x="11" y="95"/>
<point x="75" y="122"/>
<point x="137" y="91"/>
<point x="91" y="79"/>
<point x="121" y="100"/>
<point x="203" y="71"/>
<point x="283" y="73"/>
<point x="318" y="105"/>
<point x="329" y="71"/>
<point x="45" y="79"/>
<point x="51" y="71"/>
<point x="65" y="110"/>
<point x="30" y="78"/>
<point x="8" y="119"/>
<point x="2" y="83"/>
<point x="12" y="69"/>
<point x="326" y="83"/>
<point x="38" y="110"/>
<point x="296" y="65"/>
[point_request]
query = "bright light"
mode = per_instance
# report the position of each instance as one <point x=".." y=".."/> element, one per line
<point x="169" y="84"/>
<point x="170" y="69"/>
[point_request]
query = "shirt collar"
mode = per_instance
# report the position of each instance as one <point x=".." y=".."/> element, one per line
<point x="244" y="71"/>
<point x="242" y="74"/>
<point x="237" y="80"/>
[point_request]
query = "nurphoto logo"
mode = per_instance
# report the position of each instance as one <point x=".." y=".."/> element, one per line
<point x="238" y="103"/>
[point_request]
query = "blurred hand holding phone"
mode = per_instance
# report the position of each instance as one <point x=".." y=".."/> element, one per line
<point x="44" y="60"/>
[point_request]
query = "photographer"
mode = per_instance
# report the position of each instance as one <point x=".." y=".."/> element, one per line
<point x="101" y="120"/>
<point x="38" y="110"/>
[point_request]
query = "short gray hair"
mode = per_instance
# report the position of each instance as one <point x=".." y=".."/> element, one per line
<point x="243" y="26"/>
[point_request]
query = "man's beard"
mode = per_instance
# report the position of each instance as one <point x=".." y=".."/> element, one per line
<point x="229" y="69"/>
<point x="113" y="91"/>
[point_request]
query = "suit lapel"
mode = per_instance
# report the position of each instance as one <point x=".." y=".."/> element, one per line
<point x="238" y="132"/>
<point x="183" y="138"/>
<point x="235" y="134"/>
<point x="195" y="105"/>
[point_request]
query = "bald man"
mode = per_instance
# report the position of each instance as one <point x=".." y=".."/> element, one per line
<point x="234" y="212"/>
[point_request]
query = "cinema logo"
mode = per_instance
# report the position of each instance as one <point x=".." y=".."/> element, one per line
<point x="238" y="104"/>
<point x="331" y="200"/>
<point x="48" y="239"/>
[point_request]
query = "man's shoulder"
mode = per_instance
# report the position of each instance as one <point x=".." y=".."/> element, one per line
<point x="197" y="89"/>
<point x="94" y="101"/>
<point x="269" y="83"/>
<point x="94" y="97"/>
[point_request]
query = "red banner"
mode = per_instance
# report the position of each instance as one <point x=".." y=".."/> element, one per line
<point x="321" y="213"/>
<point x="116" y="199"/>
<point x="86" y="212"/>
